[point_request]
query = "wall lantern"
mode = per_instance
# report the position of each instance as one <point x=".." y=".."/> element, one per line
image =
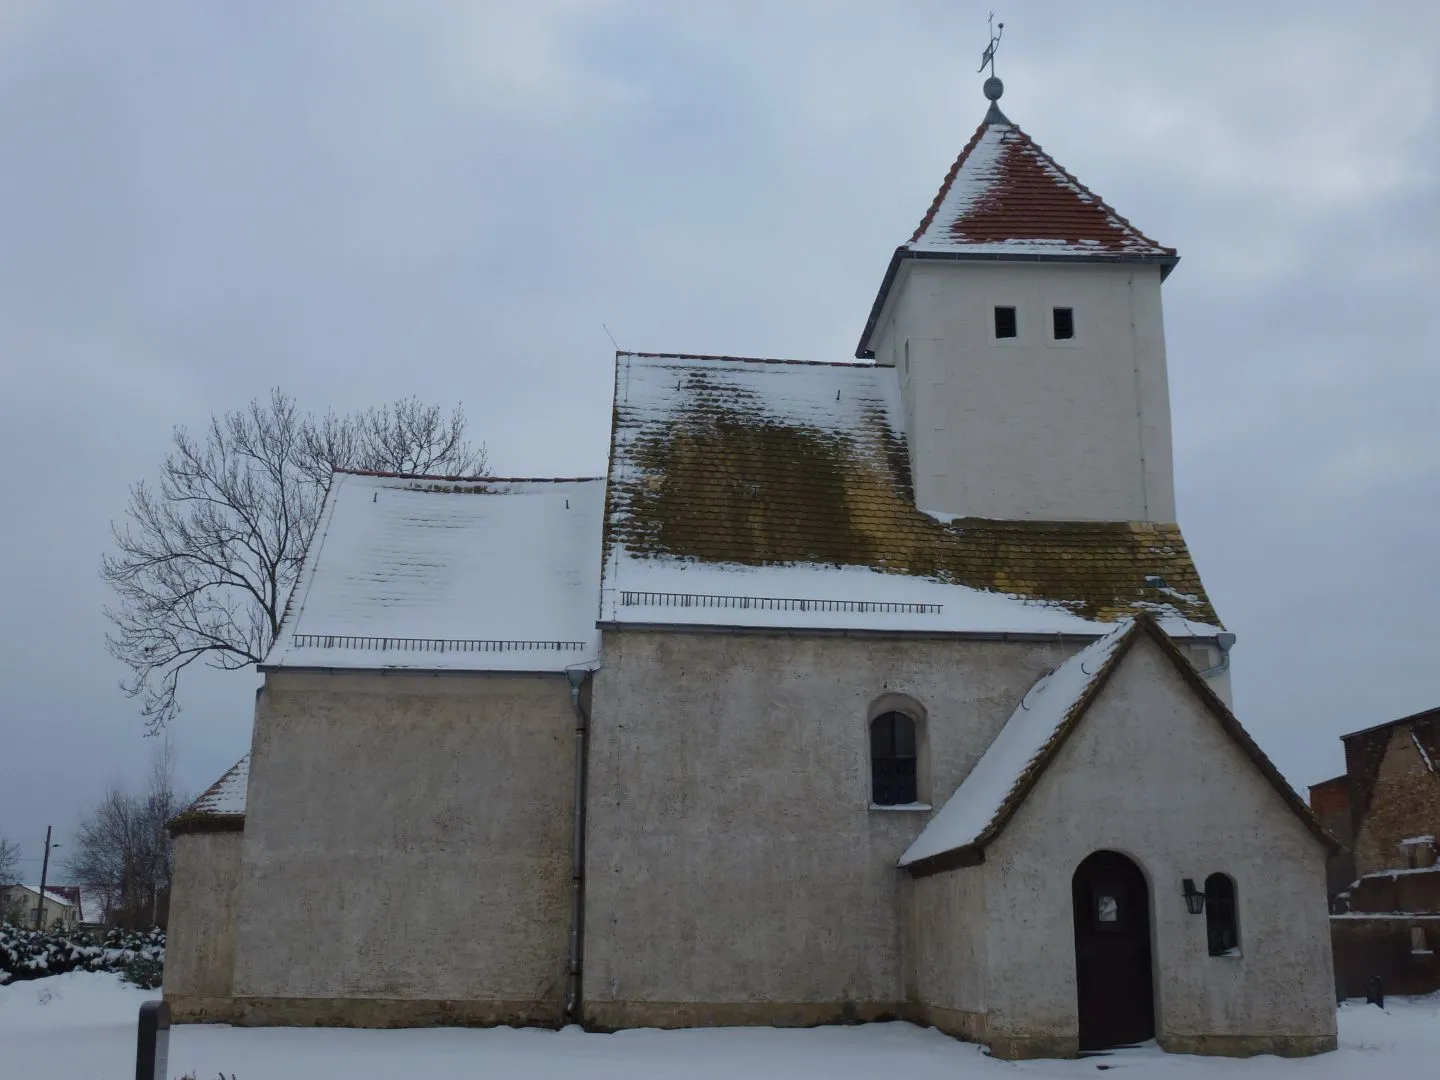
<point x="1194" y="898"/>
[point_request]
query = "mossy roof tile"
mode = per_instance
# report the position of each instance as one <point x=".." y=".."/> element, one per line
<point x="727" y="463"/>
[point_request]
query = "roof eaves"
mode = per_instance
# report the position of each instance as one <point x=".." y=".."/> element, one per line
<point x="1027" y="780"/>
<point x="1232" y="726"/>
<point x="738" y="359"/>
<point x="186" y="824"/>
<point x="972" y="853"/>
<point x="1414" y="718"/>
<point x="864" y="351"/>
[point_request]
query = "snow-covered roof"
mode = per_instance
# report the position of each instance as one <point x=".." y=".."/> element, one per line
<point x="434" y="573"/>
<point x="50" y="894"/>
<point x="1032" y="736"/>
<point x="771" y="493"/>
<point x="1032" y="729"/>
<point x="1005" y="195"/>
<point x="222" y="803"/>
<point x="92" y="906"/>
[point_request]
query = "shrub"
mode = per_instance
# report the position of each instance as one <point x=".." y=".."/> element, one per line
<point x="138" y="956"/>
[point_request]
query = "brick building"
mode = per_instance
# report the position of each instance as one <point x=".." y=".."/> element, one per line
<point x="1386" y="922"/>
<point x="1330" y="799"/>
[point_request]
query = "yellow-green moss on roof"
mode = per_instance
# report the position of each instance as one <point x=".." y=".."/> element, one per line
<point x="766" y="463"/>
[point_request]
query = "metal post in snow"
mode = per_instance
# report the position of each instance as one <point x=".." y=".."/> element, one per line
<point x="44" y="870"/>
<point x="152" y="1045"/>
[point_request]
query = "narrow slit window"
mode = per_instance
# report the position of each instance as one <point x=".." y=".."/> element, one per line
<point x="1221" y="922"/>
<point x="1005" y="322"/>
<point x="892" y="760"/>
<point x="1418" y="945"/>
<point x="1064" y="319"/>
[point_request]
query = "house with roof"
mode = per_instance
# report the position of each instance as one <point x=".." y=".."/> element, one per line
<point x="878" y="689"/>
<point x="1386" y="920"/>
<point x="60" y="908"/>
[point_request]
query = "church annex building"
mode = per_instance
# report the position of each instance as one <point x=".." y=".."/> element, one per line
<point x="853" y="691"/>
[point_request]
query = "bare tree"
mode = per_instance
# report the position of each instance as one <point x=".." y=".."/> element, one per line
<point x="12" y="907"/>
<point x="206" y="560"/>
<point x="9" y="861"/>
<point x="122" y="850"/>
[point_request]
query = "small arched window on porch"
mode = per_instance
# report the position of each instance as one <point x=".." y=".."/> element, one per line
<point x="892" y="760"/>
<point x="1221" y="915"/>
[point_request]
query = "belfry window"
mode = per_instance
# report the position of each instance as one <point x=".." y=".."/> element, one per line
<point x="1221" y="922"/>
<point x="1005" y="324"/>
<point x="1063" y="319"/>
<point x="892" y="760"/>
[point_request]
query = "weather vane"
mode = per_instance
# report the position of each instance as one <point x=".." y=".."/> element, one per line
<point x="989" y="55"/>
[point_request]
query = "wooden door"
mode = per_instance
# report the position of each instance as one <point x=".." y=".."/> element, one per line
<point x="1112" y="952"/>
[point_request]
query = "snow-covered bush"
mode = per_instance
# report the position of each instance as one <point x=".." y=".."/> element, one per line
<point x="138" y="955"/>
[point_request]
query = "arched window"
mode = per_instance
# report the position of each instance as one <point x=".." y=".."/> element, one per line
<point x="1221" y="919"/>
<point x="892" y="760"/>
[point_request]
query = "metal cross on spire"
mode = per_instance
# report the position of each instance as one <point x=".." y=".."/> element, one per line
<point x="989" y="55"/>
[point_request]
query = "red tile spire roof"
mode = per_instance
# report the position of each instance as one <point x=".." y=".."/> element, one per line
<point x="1004" y="194"/>
<point x="1006" y="199"/>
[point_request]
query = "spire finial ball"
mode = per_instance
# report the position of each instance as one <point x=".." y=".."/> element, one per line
<point x="994" y="88"/>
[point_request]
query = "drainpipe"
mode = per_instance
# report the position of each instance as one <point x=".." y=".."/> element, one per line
<point x="577" y="679"/>
<point x="1225" y="642"/>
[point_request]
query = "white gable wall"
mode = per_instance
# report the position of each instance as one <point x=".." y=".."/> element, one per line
<point x="1029" y="427"/>
<point x="1150" y="773"/>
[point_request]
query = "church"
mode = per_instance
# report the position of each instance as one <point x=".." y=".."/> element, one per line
<point x="853" y="691"/>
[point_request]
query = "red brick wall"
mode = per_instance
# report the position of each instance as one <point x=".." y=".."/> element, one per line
<point x="1404" y="799"/>
<point x="1331" y="797"/>
<point x="1368" y="947"/>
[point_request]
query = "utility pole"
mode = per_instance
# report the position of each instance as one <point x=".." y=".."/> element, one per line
<point x="44" y="870"/>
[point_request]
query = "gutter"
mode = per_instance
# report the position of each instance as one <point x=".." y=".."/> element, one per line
<point x="1061" y="637"/>
<point x="576" y="950"/>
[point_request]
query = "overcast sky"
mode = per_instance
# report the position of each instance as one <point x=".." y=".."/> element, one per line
<point x="360" y="201"/>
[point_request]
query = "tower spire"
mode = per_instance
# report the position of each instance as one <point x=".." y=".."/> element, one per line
<point x="993" y="86"/>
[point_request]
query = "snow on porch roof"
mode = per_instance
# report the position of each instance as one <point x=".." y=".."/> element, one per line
<point x="772" y="493"/>
<point x="972" y="812"/>
<point x="435" y="573"/>
<point x="221" y="806"/>
<point x="1030" y="740"/>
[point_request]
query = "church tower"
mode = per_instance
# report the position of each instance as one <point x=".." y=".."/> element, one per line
<point x="1024" y="319"/>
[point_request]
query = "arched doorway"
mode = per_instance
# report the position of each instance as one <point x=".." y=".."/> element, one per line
<point x="1112" y="952"/>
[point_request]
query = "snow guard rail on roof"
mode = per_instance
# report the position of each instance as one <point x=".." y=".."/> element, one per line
<point x="347" y="641"/>
<point x="630" y="598"/>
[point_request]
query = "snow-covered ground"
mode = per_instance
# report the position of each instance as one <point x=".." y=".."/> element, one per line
<point x="83" y="1026"/>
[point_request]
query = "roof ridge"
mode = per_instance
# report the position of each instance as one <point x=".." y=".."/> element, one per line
<point x="742" y="359"/>
<point x="1143" y="622"/>
<point x="1424" y="714"/>
<point x="929" y="218"/>
<point x="1068" y="175"/>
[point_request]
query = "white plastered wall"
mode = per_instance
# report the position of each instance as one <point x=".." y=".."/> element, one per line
<point x="1030" y="427"/>
<point x="1150" y="773"/>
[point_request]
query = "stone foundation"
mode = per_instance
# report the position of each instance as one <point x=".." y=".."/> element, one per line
<point x="619" y="1015"/>
<point x="957" y="1023"/>
<point x="1020" y="1047"/>
<point x="1248" y="1045"/>
<point x="362" y="1012"/>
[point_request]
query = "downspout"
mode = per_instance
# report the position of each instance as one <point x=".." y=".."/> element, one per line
<point x="1225" y="642"/>
<point x="577" y="677"/>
